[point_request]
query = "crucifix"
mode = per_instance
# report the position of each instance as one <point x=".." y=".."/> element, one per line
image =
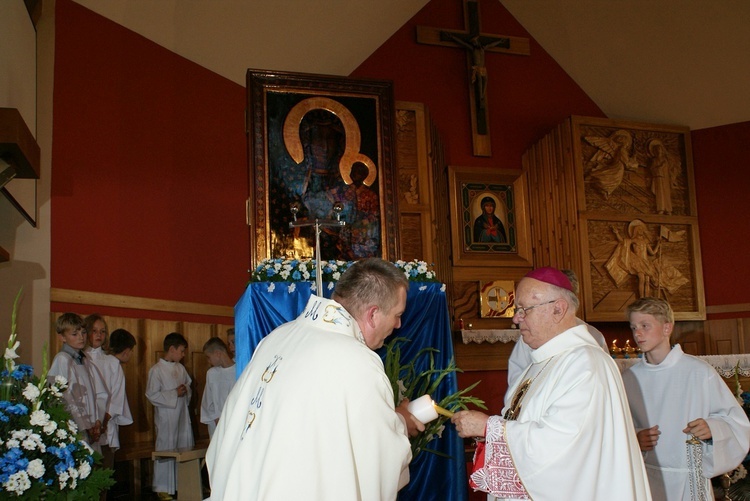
<point x="476" y="45"/>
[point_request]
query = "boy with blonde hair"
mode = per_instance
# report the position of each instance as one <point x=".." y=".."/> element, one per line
<point x="114" y="406"/>
<point x="73" y="364"/>
<point x="689" y="425"/>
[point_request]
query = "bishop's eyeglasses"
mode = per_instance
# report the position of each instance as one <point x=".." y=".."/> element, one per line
<point x="522" y="310"/>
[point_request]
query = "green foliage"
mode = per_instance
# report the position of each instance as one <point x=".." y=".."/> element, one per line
<point x="408" y="382"/>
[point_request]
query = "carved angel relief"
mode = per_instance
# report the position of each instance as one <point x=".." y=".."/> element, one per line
<point x="634" y="171"/>
<point x="643" y="259"/>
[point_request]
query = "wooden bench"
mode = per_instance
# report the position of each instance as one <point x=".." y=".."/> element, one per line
<point x="135" y="454"/>
<point x="139" y="456"/>
<point x="189" y="465"/>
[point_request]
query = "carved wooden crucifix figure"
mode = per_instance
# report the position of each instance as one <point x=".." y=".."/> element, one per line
<point x="476" y="45"/>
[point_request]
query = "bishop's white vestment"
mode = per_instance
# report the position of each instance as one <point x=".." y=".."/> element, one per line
<point x="116" y="401"/>
<point x="573" y="438"/>
<point x="680" y="389"/>
<point x="219" y="382"/>
<point x="520" y="357"/>
<point x="171" y="419"/>
<point x="311" y="417"/>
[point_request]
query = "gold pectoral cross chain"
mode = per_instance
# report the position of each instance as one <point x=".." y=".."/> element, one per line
<point x="515" y="404"/>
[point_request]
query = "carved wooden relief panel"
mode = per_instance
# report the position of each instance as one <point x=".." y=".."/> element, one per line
<point x="615" y="202"/>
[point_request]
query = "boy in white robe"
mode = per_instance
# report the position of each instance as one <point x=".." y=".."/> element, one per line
<point x="96" y="336"/>
<point x="121" y="344"/>
<point x="675" y="397"/>
<point x="168" y="389"/>
<point x="72" y="363"/>
<point x="566" y="432"/>
<point x="312" y="415"/>
<point x="219" y="381"/>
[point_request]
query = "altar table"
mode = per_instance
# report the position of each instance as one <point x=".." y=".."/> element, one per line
<point x="426" y="322"/>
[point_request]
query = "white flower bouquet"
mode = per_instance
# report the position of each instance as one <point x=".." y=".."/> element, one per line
<point x="303" y="270"/>
<point x="41" y="455"/>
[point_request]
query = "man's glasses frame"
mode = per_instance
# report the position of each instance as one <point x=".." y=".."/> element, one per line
<point x="521" y="310"/>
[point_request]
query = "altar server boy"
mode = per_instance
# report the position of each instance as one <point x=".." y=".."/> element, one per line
<point x="689" y="425"/>
<point x="73" y="364"/>
<point x="219" y="381"/>
<point x="113" y="405"/>
<point x="168" y="389"/>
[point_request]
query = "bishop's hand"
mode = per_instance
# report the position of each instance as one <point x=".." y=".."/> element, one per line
<point x="470" y="423"/>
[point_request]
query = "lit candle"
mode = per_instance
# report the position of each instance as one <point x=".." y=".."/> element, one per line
<point x="441" y="411"/>
<point x="423" y="409"/>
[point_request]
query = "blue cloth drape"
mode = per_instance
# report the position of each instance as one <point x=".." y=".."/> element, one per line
<point x="266" y="305"/>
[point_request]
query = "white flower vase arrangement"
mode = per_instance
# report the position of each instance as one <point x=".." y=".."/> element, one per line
<point x="41" y="454"/>
<point x="303" y="270"/>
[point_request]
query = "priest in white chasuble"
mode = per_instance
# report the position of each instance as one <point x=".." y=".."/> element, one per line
<point x="689" y="425"/>
<point x="312" y="415"/>
<point x="566" y="431"/>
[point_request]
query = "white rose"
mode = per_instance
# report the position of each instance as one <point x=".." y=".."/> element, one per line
<point x="39" y="418"/>
<point x="50" y="427"/>
<point x="36" y="468"/>
<point x="84" y="469"/>
<point x="31" y="392"/>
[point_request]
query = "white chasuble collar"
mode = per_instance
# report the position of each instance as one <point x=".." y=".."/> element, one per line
<point x="329" y="315"/>
<point x="571" y="338"/>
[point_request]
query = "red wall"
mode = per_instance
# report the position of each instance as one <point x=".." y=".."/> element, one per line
<point x="150" y="172"/>
<point x="528" y="95"/>
<point x="149" y="168"/>
<point x="722" y="176"/>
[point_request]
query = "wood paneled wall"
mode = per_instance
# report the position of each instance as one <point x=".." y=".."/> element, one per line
<point x="149" y="335"/>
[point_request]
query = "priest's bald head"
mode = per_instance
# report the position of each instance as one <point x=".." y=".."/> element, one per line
<point x="373" y="291"/>
<point x="546" y="305"/>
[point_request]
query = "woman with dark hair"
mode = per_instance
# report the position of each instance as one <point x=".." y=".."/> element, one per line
<point x="488" y="227"/>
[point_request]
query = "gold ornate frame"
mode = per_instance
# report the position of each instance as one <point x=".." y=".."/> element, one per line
<point x="468" y="186"/>
<point x="497" y="299"/>
<point x="277" y="103"/>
